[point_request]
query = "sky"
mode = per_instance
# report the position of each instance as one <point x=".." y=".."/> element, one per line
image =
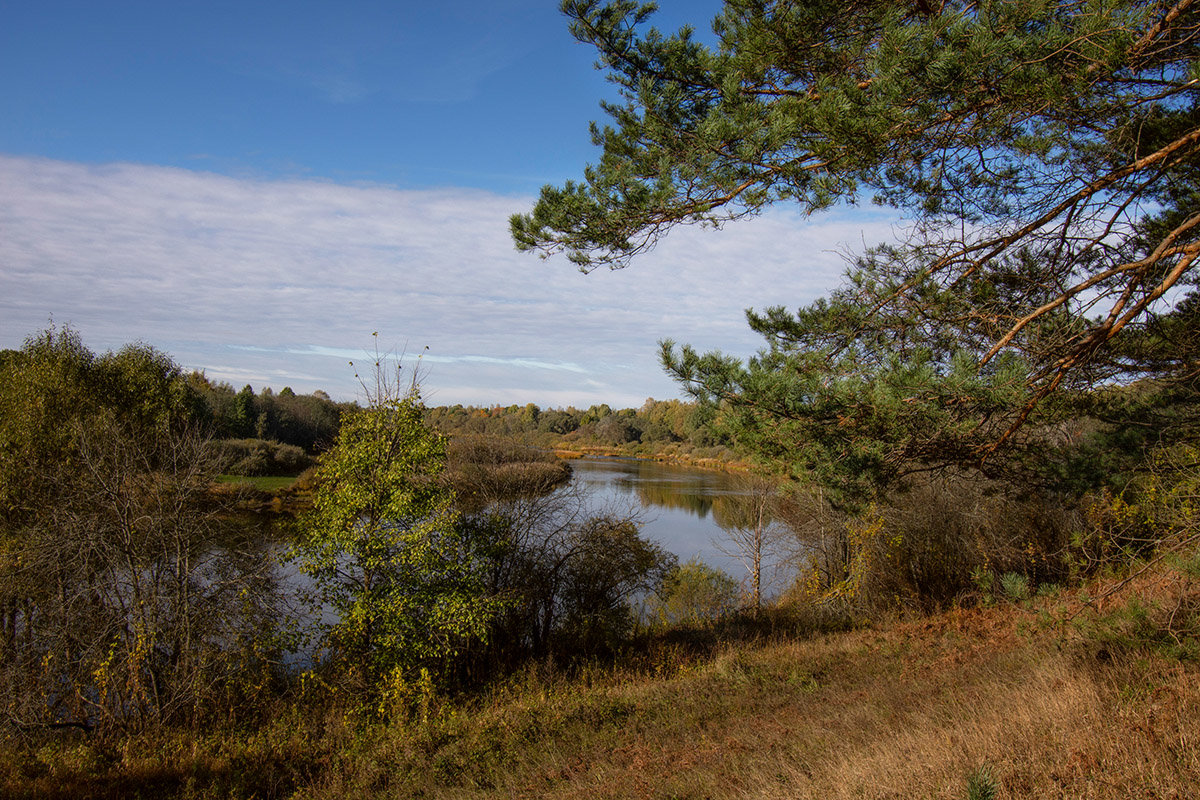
<point x="268" y="191"/>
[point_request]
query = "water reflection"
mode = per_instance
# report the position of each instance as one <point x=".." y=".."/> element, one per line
<point x="680" y="506"/>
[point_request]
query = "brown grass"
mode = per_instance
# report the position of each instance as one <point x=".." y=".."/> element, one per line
<point x="1050" y="728"/>
<point x="902" y="712"/>
<point x="906" y="710"/>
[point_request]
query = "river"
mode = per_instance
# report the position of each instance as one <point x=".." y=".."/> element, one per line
<point x="679" y="507"/>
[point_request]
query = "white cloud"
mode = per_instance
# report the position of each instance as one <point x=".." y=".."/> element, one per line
<point x="279" y="281"/>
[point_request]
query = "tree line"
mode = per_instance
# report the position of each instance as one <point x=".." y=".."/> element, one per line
<point x="658" y="426"/>
<point x="269" y="432"/>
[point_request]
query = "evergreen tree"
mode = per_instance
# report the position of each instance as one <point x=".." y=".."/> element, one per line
<point x="1045" y="152"/>
<point x="245" y="416"/>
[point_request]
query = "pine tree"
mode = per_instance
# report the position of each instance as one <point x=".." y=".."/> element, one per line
<point x="1046" y="153"/>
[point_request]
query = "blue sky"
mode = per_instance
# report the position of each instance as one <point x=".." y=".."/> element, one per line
<point x="256" y="188"/>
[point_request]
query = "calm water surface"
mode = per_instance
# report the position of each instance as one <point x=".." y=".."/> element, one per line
<point x="679" y="507"/>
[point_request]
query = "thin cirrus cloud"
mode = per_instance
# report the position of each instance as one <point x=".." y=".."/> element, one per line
<point x="281" y="282"/>
<point x="402" y="354"/>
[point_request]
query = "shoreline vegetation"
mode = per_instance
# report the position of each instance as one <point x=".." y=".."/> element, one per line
<point x="956" y="640"/>
<point x="685" y="460"/>
<point x="268" y="435"/>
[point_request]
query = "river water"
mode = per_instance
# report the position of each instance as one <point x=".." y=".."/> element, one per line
<point x="679" y="507"/>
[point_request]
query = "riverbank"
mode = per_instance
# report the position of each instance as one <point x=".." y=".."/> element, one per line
<point x="726" y="463"/>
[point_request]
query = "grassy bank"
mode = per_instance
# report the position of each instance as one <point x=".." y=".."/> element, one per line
<point x="1013" y="698"/>
<point x="265" y="483"/>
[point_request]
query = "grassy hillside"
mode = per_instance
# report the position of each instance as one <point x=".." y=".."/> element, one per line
<point x="1015" y="699"/>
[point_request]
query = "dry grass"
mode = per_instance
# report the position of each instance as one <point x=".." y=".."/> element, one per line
<point x="1051" y="728"/>
<point x="902" y="711"/>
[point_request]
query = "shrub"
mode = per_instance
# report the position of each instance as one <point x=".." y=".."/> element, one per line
<point x="253" y="457"/>
<point x="981" y="785"/>
<point x="1015" y="586"/>
<point x="929" y="545"/>
<point x="694" y="593"/>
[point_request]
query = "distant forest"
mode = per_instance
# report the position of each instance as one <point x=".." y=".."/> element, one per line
<point x="659" y="427"/>
<point x="280" y="431"/>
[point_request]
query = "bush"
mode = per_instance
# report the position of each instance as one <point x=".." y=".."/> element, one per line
<point x="254" y="457"/>
<point x="694" y="594"/>
<point x="483" y="470"/>
<point x="1015" y="585"/>
<point x="928" y="545"/>
<point x="981" y="785"/>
